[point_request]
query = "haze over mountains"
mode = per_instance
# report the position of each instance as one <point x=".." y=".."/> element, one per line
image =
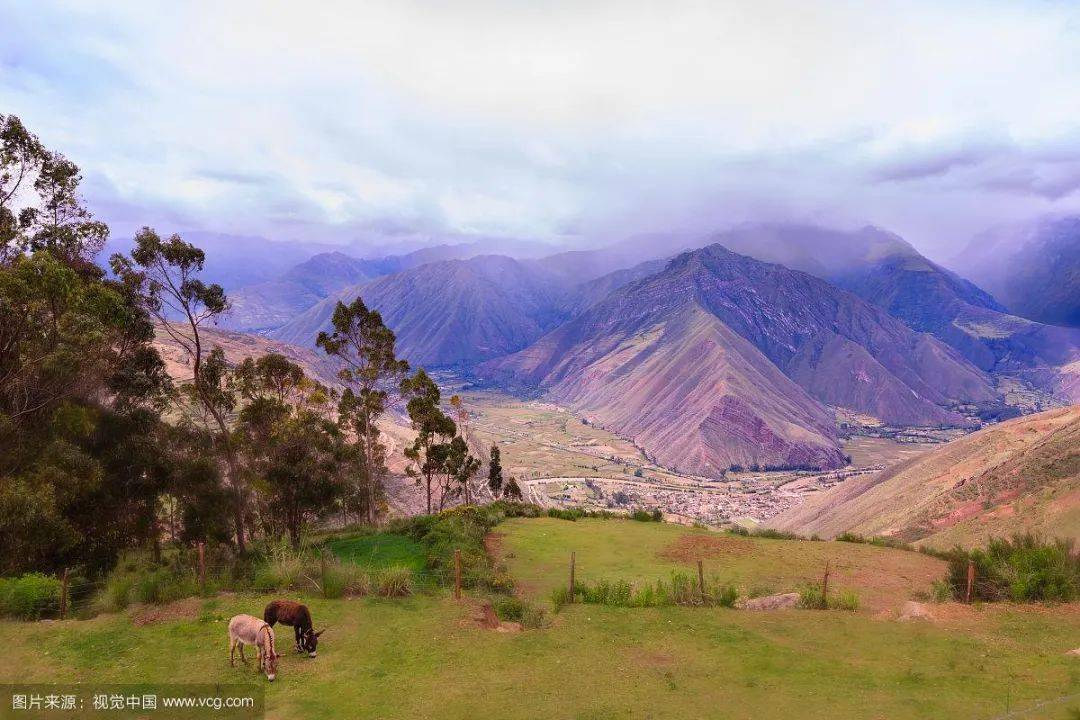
<point x="734" y="353"/>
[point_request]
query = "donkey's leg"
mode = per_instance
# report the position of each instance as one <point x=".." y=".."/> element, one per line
<point x="241" y="644"/>
<point x="232" y="650"/>
<point x="296" y="631"/>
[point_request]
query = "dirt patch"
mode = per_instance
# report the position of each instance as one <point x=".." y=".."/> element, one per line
<point x="493" y="544"/>
<point x="654" y="659"/>
<point x="690" y="548"/>
<point x="186" y="609"/>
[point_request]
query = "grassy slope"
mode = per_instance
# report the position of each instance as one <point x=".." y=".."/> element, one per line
<point x="378" y="550"/>
<point x="1020" y="475"/>
<point x="424" y="657"/>
<point x="637" y="551"/>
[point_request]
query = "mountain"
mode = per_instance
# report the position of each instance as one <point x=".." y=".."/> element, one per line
<point x="1033" y="269"/>
<point x="235" y="261"/>
<point x="1018" y="476"/>
<point x="269" y="304"/>
<point x="453" y="312"/>
<point x="273" y="303"/>
<point x="237" y="346"/>
<point x="737" y="357"/>
<point x="886" y="271"/>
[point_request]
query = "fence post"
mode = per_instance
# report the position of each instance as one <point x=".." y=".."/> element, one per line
<point x="970" y="581"/>
<point x="64" y="594"/>
<point x="573" y="562"/>
<point x="202" y="568"/>
<point x="825" y="587"/>
<point x="701" y="580"/>
<point x="457" y="574"/>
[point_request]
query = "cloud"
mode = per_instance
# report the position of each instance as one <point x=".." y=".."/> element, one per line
<point x="559" y="120"/>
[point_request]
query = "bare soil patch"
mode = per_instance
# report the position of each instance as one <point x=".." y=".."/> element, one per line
<point x="186" y="609"/>
<point x="691" y="548"/>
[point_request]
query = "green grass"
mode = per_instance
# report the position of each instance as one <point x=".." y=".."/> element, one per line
<point x="537" y="552"/>
<point x="424" y="656"/>
<point x="383" y="549"/>
<point x="420" y="657"/>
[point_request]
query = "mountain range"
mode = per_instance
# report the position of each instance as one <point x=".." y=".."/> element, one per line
<point x="721" y="360"/>
<point x="735" y="353"/>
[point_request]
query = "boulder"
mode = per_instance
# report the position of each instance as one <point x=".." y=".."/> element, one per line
<point x="783" y="601"/>
<point x="915" y="611"/>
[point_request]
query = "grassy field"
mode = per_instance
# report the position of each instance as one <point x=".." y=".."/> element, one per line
<point x="538" y="554"/>
<point x="377" y="550"/>
<point x="427" y="657"/>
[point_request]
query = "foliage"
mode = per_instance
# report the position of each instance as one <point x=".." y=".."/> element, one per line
<point x="811" y="598"/>
<point x="495" y="478"/>
<point x="1023" y="568"/>
<point x="29" y="596"/>
<point x="366" y="348"/>
<point x="680" y="588"/>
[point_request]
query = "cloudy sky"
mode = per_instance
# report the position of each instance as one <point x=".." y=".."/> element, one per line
<point x="567" y="121"/>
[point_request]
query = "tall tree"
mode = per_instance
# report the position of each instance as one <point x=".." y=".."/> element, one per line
<point x="167" y="272"/>
<point x="433" y="430"/>
<point x="366" y="348"/>
<point x="21" y="155"/>
<point x="495" y="478"/>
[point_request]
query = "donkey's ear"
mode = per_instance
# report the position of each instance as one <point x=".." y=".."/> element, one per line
<point x="320" y="632"/>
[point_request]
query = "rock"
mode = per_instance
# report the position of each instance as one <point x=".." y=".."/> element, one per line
<point x="783" y="601"/>
<point x="915" y="611"/>
<point x="1074" y="652"/>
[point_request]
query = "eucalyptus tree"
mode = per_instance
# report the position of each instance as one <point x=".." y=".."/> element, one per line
<point x="370" y="372"/>
<point x="167" y="274"/>
<point x="434" y="429"/>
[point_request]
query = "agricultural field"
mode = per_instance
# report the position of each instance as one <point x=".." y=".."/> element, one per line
<point x="426" y="656"/>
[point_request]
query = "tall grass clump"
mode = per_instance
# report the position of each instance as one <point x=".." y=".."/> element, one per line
<point x="811" y="598"/>
<point x="1023" y="568"/>
<point x="680" y="588"/>
<point x="29" y="596"/>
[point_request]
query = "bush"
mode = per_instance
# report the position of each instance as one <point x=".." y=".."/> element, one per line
<point x="29" y="596"/>
<point x="1024" y="568"/>
<point x="395" y="581"/>
<point x="680" y="589"/>
<point x="534" y="618"/>
<point x="509" y="608"/>
<point x="810" y="598"/>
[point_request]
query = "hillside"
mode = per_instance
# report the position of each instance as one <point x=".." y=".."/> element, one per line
<point x="454" y="312"/>
<point x="886" y="271"/>
<point x="1021" y="475"/>
<point x="237" y="346"/>
<point x="1034" y="269"/>
<point x="720" y="358"/>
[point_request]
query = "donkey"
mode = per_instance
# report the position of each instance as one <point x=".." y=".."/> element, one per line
<point x="250" y="630"/>
<point x="292" y="613"/>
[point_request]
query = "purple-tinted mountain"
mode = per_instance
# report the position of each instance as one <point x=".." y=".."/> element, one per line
<point x="451" y="313"/>
<point x="721" y="358"/>
<point x="1034" y="270"/>
<point x="886" y="271"/>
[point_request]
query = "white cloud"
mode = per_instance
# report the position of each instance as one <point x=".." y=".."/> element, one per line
<point x="310" y="119"/>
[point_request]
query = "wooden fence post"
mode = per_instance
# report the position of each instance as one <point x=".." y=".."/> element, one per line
<point x="202" y="568"/>
<point x="457" y="574"/>
<point x="64" y="594"/>
<point x="970" y="581"/>
<point x="825" y="587"/>
<point x="573" y="562"/>
<point x="701" y="580"/>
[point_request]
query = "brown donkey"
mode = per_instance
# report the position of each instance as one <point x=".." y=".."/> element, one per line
<point x="292" y="613"/>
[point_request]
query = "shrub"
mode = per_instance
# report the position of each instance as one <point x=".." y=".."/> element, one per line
<point x="29" y="596"/>
<point x="116" y="595"/>
<point x="1024" y="568"/>
<point x="810" y="598"/>
<point x="394" y="581"/>
<point x="940" y="591"/>
<point x="727" y="596"/>
<point x="534" y="618"/>
<point x="509" y="608"/>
